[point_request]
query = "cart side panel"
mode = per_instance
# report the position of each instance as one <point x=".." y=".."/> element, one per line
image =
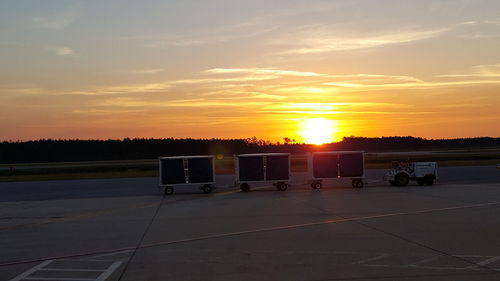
<point x="201" y="170"/>
<point x="325" y="165"/>
<point x="251" y="168"/>
<point x="277" y="168"/>
<point x="351" y="165"/>
<point x="172" y="171"/>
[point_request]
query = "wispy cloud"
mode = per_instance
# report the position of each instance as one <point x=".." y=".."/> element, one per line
<point x="147" y="71"/>
<point x="478" y="29"/>
<point x="266" y="71"/>
<point x="283" y="73"/>
<point x="320" y="38"/>
<point x="278" y="84"/>
<point x="57" y="21"/>
<point x="421" y="85"/>
<point x="238" y="31"/>
<point x="61" y="51"/>
<point x="103" y="111"/>
<point x="482" y="71"/>
<point x="326" y="38"/>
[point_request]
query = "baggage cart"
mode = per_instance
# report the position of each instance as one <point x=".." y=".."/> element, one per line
<point x="183" y="171"/>
<point x="336" y="165"/>
<point x="262" y="168"/>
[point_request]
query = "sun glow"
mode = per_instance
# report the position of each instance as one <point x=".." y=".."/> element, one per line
<point x="319" y="130"/>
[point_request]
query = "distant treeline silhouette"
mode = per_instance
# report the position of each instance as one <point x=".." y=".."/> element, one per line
<point x="48" y="150"/>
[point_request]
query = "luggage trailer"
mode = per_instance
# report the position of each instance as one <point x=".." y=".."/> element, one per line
<point x="179" y="171"/>
<point x="262" y="168"/>
<point x="336" y="165"/>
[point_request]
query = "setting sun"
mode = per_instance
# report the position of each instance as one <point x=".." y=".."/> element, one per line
<point x="319" y="130"/>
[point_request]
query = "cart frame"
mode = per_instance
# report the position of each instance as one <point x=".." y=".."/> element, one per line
<point x="207" y="187"/>
<point x="316" y="183"/>
<point x="279" y="184"/>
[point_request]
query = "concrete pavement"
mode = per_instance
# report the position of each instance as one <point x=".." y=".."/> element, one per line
<point x="89" y="230"/>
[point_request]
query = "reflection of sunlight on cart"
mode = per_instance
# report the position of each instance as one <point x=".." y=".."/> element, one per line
<point x="336" y="165"/>
<point x="262" y="168"/>
<point x="187" y="171"/>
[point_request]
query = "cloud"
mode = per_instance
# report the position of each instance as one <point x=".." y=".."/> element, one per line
<point x="103" y="111"/>
<point x="478" y="29"/>
<point x="259" y="71"/>
<point x="57" y="21"/>
<point x="482" y="71"/>
<point x="273" y="84"/>
<point x="328" y="38"/>
<point x="320" y="38"/>
<point x="20" y="90"/>
<point x="238" y="31"/>
<point x="62" y="51"/>
<point x="420" y="85"/>
<point x="147" y="71"/>
<point x="279" y="73"/>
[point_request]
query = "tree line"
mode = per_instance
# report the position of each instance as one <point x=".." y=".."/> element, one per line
<point x="50" y="150"/>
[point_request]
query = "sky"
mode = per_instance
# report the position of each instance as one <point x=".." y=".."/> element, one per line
<point x="236" y="69"/>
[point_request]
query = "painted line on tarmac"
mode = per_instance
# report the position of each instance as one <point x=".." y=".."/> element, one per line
<point x="112" y="254"/>
<point x="42" y="269"/>
<point x="32" y="270"/>
<point x="258" y="230"/>
<point x="92" y="214"/>
<point x="426" y="260"/>
<point x="285" y="227"/>
<point x="483" y="262"/>
<point x="379" y="257"/>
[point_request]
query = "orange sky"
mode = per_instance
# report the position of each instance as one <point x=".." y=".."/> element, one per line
<point x="234" y="70"/>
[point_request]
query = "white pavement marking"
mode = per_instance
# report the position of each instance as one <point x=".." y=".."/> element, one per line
<point x="112" y="254"/>
<point x="70" y="269"/>
<point x="275" y="228"/>
<point x="484" y="262"/>
<point x="490" y="260"/>
<point x="41" y="267"/>
<point x="30" y="271"/>
<point x="59" y="279"/>
<point x="424" y="261"/>
<point x="421" y="266"/>
<point x="108" y="271"/>
<point x="371" y="259"/>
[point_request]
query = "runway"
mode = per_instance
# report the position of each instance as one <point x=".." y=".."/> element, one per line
<point x="124" y="229"/>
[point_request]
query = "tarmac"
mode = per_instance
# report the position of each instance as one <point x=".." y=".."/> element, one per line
<point x="125" y="229"/>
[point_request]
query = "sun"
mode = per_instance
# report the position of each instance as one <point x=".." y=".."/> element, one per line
<point x="318" y="130"/>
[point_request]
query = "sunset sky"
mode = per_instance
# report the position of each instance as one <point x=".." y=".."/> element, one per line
<point x="237" y="69"/>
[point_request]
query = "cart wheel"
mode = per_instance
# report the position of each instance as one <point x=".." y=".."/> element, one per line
<point x="357" y="183"/>
<point x="429" y="180"/>
<point x="169" y="190"/>
<point x="282" y="186"/>
<point x="207" y="188"/>
<point x="245" y="187"/>
<point x="402" y="179"/>
<point x="316" y="185"/>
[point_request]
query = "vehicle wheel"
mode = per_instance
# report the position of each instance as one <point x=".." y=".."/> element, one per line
<point x="420" y="181"/>
<point x="282" y="186"/>
<point x="392" y="183"/>
<point x="245" y="187"/>
<point x="169" y="190"/>
<point x="429" y="180"/>
<point x="207" y="188"/>
<point x="316" y="185"/>
<point x="402" y="179"/>
<point x="357" y="183"/>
